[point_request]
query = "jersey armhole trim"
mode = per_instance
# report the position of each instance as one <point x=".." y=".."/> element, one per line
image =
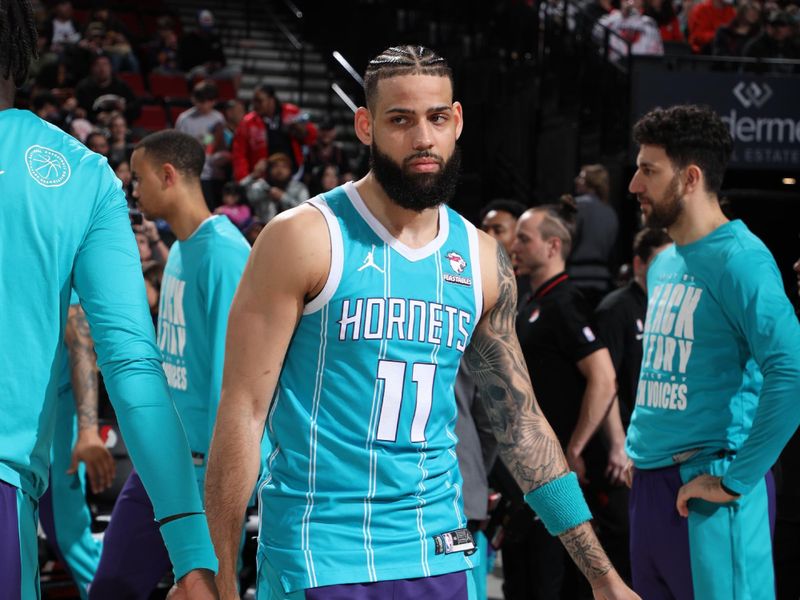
<point x="337" y="257"/>
<point x="475" y="256"/>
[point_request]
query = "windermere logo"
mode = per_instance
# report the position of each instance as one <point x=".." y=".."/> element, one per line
<point x="752" y="94"/>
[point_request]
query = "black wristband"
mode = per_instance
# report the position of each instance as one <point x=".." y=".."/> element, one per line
<point x="727" y="490"/>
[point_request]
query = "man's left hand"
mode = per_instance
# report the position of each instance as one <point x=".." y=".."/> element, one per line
<point x="704" y="487"/>
<point x="195" y="585"/>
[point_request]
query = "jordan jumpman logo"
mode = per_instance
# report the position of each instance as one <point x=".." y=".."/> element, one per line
<point x="369" y="261"/>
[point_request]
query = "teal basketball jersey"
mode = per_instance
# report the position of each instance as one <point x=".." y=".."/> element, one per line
<point x="362" y="483"/>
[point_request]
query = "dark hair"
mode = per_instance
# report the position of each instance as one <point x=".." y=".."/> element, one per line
<point x="647" y="240"/>
<point x="95" y="133"/>
<point x="689" y="134"/>
<point x="18" y="39"/>
<point x="514" y="208"/>
<point x="662" y="16"/>
<point x="403" y="60"/>
<point x="42" y="99"/>
<point x="178" y="149"/>
<point x="232" y="188"/>
<point x="205" y="90"/>
<point x="559" y="221"/>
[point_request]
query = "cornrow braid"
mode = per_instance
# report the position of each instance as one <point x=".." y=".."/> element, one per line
<point x="18" y="39"/>
<point x="403" y="60"/>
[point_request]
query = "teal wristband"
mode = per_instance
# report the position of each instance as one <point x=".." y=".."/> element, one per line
<point x="188" y="543"/>
<point x="559" y="504"/>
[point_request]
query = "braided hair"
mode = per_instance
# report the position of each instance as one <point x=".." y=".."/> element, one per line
<point x="18" y="39"/>
<point x="403" y="60"/>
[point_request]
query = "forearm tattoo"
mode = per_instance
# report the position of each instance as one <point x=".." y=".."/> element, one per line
<point x="83" y="366"/>
<point x="585" y="550"/>
<point x="526" y="442"/>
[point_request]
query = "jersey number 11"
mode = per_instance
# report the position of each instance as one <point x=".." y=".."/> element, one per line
<point x="393" y="375"/>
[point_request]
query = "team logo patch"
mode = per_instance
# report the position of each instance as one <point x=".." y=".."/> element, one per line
<point x="48" y="167"/>
<point x="457" y="264"/>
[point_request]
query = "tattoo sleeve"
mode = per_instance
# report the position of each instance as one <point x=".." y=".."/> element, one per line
<point x="526" y="442"/>
<point x="83" y="367"/>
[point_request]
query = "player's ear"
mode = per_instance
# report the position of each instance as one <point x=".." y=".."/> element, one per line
<point x="693" y="177"/>
<point x="362" y="122"/>
<point x="458" y="117"/>
<point x="169" y="175"/>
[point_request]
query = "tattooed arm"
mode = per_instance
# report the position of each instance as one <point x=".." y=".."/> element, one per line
<point x="89" y="447"/>
<point x="525" y="440"/>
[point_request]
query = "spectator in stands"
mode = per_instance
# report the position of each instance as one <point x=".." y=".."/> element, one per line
<point x="776" y="41"/>
<point x="704" y="20"/>
<point x="270" y="188"/>
<point x="122" y="169"/>
<point x="116" y="41"/>
<point x="234" y="112"/>
<point x="233" y="206"/>
<point x="595" y="234"/>
<point x="61" y="29"/>
<point x="663" y="13"/>
<point x="264" y="131"/>
<point x="200" y="120"/>
<point x="633" y="29"/>
<point x="499" y="219"/>
<point x="200" y="52"/>
<point x="327" y="151"/>
<point x="731" y="39"/>
<point x="101" y="81"/>
<point x="97" y="142"/>
<point x="47" y="107"/>
<point x="163" y="50"/>
<point x="120" y="139"/>
<point x="323" y="179"/>
<point x="79" y="58"/>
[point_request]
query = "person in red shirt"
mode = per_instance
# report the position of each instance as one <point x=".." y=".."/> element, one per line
<point x="265" y="131"/>
<point x="705" y="19"/>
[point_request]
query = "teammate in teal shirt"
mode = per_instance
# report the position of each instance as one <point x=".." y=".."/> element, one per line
<point x="720" y="378"/>
<point x="345" y="336"/>
<point x="200" y="278"/>
<point x="63" y="224"/>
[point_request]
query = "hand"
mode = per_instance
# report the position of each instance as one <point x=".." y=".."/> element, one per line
<point x="276" y="193"/>
<point x="576" y="463"/>
<point x="149" y="229"/>
<point x="260" y="169"/>
<point x="617" y="464"/>
<point x="91" y="450"/>
<point x="611" y="587"/>
<point x="705" y="487"/>
<point x="195" y="585"/>
<point x="627" y="475"/>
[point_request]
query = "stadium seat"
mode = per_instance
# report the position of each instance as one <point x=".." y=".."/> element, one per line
<point x="168" y="86"/>
<point x="134" y="81"/>
<point x="132" y="22"/>
<point x="227" y="89"/>
<point x="152" y="118"/>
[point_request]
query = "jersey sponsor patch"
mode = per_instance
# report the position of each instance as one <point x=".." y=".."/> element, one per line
<point x="458" y="265"/>
<point x="46" y="166"/>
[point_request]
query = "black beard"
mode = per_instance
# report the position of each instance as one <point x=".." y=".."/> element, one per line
<point x="416" y="191"/>
<point x="666" y="212"/>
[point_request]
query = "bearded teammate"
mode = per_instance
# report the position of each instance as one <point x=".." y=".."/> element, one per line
<point x="200" y="278"/>
<point x="63" y="224"/>
<point x="353" y="370"/>
<point x="719" y="382"/>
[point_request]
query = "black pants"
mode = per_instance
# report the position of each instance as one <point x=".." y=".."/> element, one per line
<point x="533" y="563"/>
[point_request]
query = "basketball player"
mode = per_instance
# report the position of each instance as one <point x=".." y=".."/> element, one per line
<point x="345" y="335"/>
<point x="719" y="382"/>
<point x="64" y="223"/>
<point x="63" y="512"/>
<point x="203" y="269"/>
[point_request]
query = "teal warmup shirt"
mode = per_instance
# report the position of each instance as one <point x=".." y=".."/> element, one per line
<point x="721" y="366"/>
<point x="363" y="473"/>
<point x="199" y="282"/>
<point x="63" y="224"/>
